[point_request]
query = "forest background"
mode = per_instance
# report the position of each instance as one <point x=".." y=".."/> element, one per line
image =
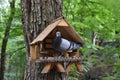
<point x="96" y="21"/>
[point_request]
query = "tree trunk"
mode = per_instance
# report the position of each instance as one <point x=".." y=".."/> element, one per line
<point x="5" y="40"/>
<point x="36" y="15"/>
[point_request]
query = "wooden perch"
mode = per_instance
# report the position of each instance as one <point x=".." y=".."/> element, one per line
<point x="58" y="59"/>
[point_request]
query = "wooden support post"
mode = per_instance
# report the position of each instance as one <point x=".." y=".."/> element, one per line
<point x="32" y="52"/>
<point x="66" y="54"/>
<point x="69" y="67"/>
<point x="74" y="54"/>
<point x="60" y="67"/>
<point x="47" y="68"/>
<point x="78" y="66"/>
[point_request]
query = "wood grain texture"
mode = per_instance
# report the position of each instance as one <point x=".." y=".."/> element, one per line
<point x="63" y="23"/>
<point x="47" y="68"/>
<point x="32" y="52"/>
<point x="69" y="67"/>
<point x="63" y="27"/>
<point x="78" y="66"/>
<point x="60" y="67"/>
<point x="45" y="32"/>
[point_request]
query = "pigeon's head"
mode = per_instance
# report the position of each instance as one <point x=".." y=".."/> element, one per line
<point x="58" y="34"/>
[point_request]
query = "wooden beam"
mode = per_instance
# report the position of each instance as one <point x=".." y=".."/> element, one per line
<point x="47" y="40"/>
<point x="32" y="52"/>
<point x="45" y="32"/>
<point x="74" y="54"/>
<point x="78" y="66"/>
<point x="69" y="67"/>
<point x="60" y="67"/>
<point x="47" y="68"/>
<point x="49" y="46"/>
<point x="66" y="54"/>
<point x="63" y="23"/>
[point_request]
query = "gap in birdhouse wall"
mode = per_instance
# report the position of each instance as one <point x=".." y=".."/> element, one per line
<point x="64" y="32"/>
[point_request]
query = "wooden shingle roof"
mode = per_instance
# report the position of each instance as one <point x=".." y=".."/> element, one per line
<point x="62" y="25"/>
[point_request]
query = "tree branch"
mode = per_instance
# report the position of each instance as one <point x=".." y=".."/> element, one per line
<point x="5" y="39"/>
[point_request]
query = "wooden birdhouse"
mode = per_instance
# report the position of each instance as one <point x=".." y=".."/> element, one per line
<point x="50" y="47"/>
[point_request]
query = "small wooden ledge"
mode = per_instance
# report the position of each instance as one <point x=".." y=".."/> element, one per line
<point x="59" y="59"/>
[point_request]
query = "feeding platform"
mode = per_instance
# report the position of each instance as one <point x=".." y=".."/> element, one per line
<point x="57" y="43"/>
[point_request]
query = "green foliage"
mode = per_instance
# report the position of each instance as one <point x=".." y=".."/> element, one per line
<point x="102" y="18"/>
<point x="86" y="17"/>
<point x="72" y="78"/>
<point x="15" y="54"/>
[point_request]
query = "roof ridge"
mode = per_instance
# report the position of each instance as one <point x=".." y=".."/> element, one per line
<point x="59" y="18"/>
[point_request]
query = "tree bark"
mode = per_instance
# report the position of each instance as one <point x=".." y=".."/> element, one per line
<point x="5" y="39"/>
<point x="36" y="15"/>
